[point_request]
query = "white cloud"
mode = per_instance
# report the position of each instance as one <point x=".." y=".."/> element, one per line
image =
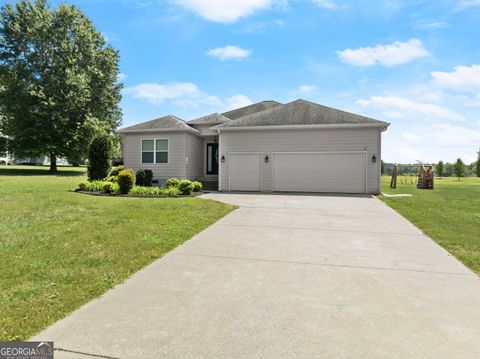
<point x="121" y="76"/>
<point x="326" y="4"/>
<point x="403" y="108"/>
<point x="223" y="11"/>
<point x="431" y="25"/>
<point x="444" y="134"/>
<point x="185" y="94"/>
<point x="307" y="88"/>
<point x="238" y="101"/>
<point x="181" y="93"/>
<point x="396" y="53"/>
<point x="430" y="143"/>
<point x="465" y="4"/>
<point x="229" y="52"/>
<point x="462" y="79"/>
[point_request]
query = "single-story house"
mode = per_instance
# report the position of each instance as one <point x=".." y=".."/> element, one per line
<point x="300" y="146"/>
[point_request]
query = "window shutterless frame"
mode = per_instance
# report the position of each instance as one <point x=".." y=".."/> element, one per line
<point x="155" y="150"/>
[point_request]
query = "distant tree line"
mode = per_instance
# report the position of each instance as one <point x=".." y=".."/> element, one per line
<point x="442" y="169"/>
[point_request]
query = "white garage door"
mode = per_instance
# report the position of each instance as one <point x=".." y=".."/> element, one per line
<point x="335" y="172"/>
<point x="245" y="171"/>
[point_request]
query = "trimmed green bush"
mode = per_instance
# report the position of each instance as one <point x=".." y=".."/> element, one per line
<point x="98" y="186"/>
<point x="171" y="192"/>
<point x="185" y="187"/>
<point x="172" y="182"/>
<point x="116" y="170"/>
<point x="197" y="186"/>
<point x="147" y="191"/>
<point x="99" y="157"/>
<point x="144" y="178"/>
<point x="82" y="186"/>
<point x="112" y="179"/>
<point x="112" y="188"/>
<point x="126" y="181"/>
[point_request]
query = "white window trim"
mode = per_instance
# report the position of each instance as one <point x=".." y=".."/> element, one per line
<point x="155" y="151"/>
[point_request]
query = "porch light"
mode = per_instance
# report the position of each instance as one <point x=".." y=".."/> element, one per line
<point x="374" y="158"/>
<point x="266" y="159"/>
<point x="222" y="159"/>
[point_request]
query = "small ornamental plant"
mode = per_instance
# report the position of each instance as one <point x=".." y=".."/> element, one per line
<point x="126" y="181"/>
<point x="144" y="178"/>
<point x="172" y="182"/>
<point x="197" y="186"/>
<point x="185" y="187"/>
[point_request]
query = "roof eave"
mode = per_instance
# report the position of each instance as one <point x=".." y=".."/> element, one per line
<point x="383" y="126"/>
<point x="186" y="129"/>
<point x="206" y="124"/>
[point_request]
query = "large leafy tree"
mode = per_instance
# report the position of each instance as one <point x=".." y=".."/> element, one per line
<point x="58" y="80"/>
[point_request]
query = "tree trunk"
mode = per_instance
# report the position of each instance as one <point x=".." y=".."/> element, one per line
<point x="53" y="163"/>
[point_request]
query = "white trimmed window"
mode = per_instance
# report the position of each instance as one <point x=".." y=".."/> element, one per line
<point x="155" y="151"/>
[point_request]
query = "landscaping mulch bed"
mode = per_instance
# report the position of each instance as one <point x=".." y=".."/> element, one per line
<point x="194" y="194"/>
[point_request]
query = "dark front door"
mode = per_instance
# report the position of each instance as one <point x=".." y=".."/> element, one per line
<point x="212" y="158"/>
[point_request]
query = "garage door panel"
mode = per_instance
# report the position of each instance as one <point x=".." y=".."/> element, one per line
<point x="342" y="172"/>
<point x="245" y="171"/>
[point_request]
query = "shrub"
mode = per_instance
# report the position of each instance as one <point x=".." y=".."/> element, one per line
<point x="111" y="187"/>
<point x="197" y="186"/>
<point x="185" y="187"/>
<point x="147" y="191"/>
<point x="112" y="179"/>
<point x="116" y="170"/>
<point x="144" y="178"/>
<point x="99" y="155"/>
<point x="171" y="192"/>
<point x="172" y="182"/>
<point x="82" y="186"/>
<point x="98" y="186"/>
<point x="126" y="181"/>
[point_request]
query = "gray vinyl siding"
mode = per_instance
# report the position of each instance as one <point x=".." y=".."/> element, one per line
<point x="268" y="141"/>
<point x="176" y="166"/>
<point x="195" y="149"/>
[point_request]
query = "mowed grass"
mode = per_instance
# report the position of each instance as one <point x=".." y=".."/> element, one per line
<point x="59" y="250"/>
<point x="450" y="214"/>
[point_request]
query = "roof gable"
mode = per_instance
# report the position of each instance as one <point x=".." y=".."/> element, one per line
<point x="300" y="112"/>
<point x="250" y="109"/>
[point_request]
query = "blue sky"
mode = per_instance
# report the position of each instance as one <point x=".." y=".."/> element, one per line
<point x="415" y="64"/>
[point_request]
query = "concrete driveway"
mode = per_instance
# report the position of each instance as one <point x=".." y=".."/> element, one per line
<point x="288" y="276"/>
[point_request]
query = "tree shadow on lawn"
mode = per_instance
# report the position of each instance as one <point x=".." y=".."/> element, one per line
<point x="25" y="170"/>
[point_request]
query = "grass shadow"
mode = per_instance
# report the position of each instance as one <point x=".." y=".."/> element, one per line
<point x="24" y="170"/>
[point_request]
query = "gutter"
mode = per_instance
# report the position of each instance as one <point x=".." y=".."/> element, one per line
<point x="192" y="130"/>
<point x="383" y="126"/>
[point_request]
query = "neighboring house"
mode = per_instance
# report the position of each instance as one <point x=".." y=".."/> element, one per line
<point x="5" y="158"/>
<point x="267" y="147"/>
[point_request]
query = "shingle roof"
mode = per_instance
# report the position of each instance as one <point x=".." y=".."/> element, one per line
<point x="162" y="123"/>
<point x="213" y="119"/>
<point x="251" y="109"/>
<point x="299" y="112"/>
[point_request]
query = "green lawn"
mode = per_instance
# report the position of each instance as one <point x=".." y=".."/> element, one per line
<point x="59" y="250"/>
<point x="450" y="214"/>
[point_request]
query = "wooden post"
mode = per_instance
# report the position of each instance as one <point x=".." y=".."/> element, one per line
<point x="393" y="181"/>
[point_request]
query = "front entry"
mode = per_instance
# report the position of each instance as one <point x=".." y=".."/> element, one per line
<point x="212" y="158"/>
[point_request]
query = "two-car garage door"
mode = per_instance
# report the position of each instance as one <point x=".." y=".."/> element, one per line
<point x="334" y="172"/>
